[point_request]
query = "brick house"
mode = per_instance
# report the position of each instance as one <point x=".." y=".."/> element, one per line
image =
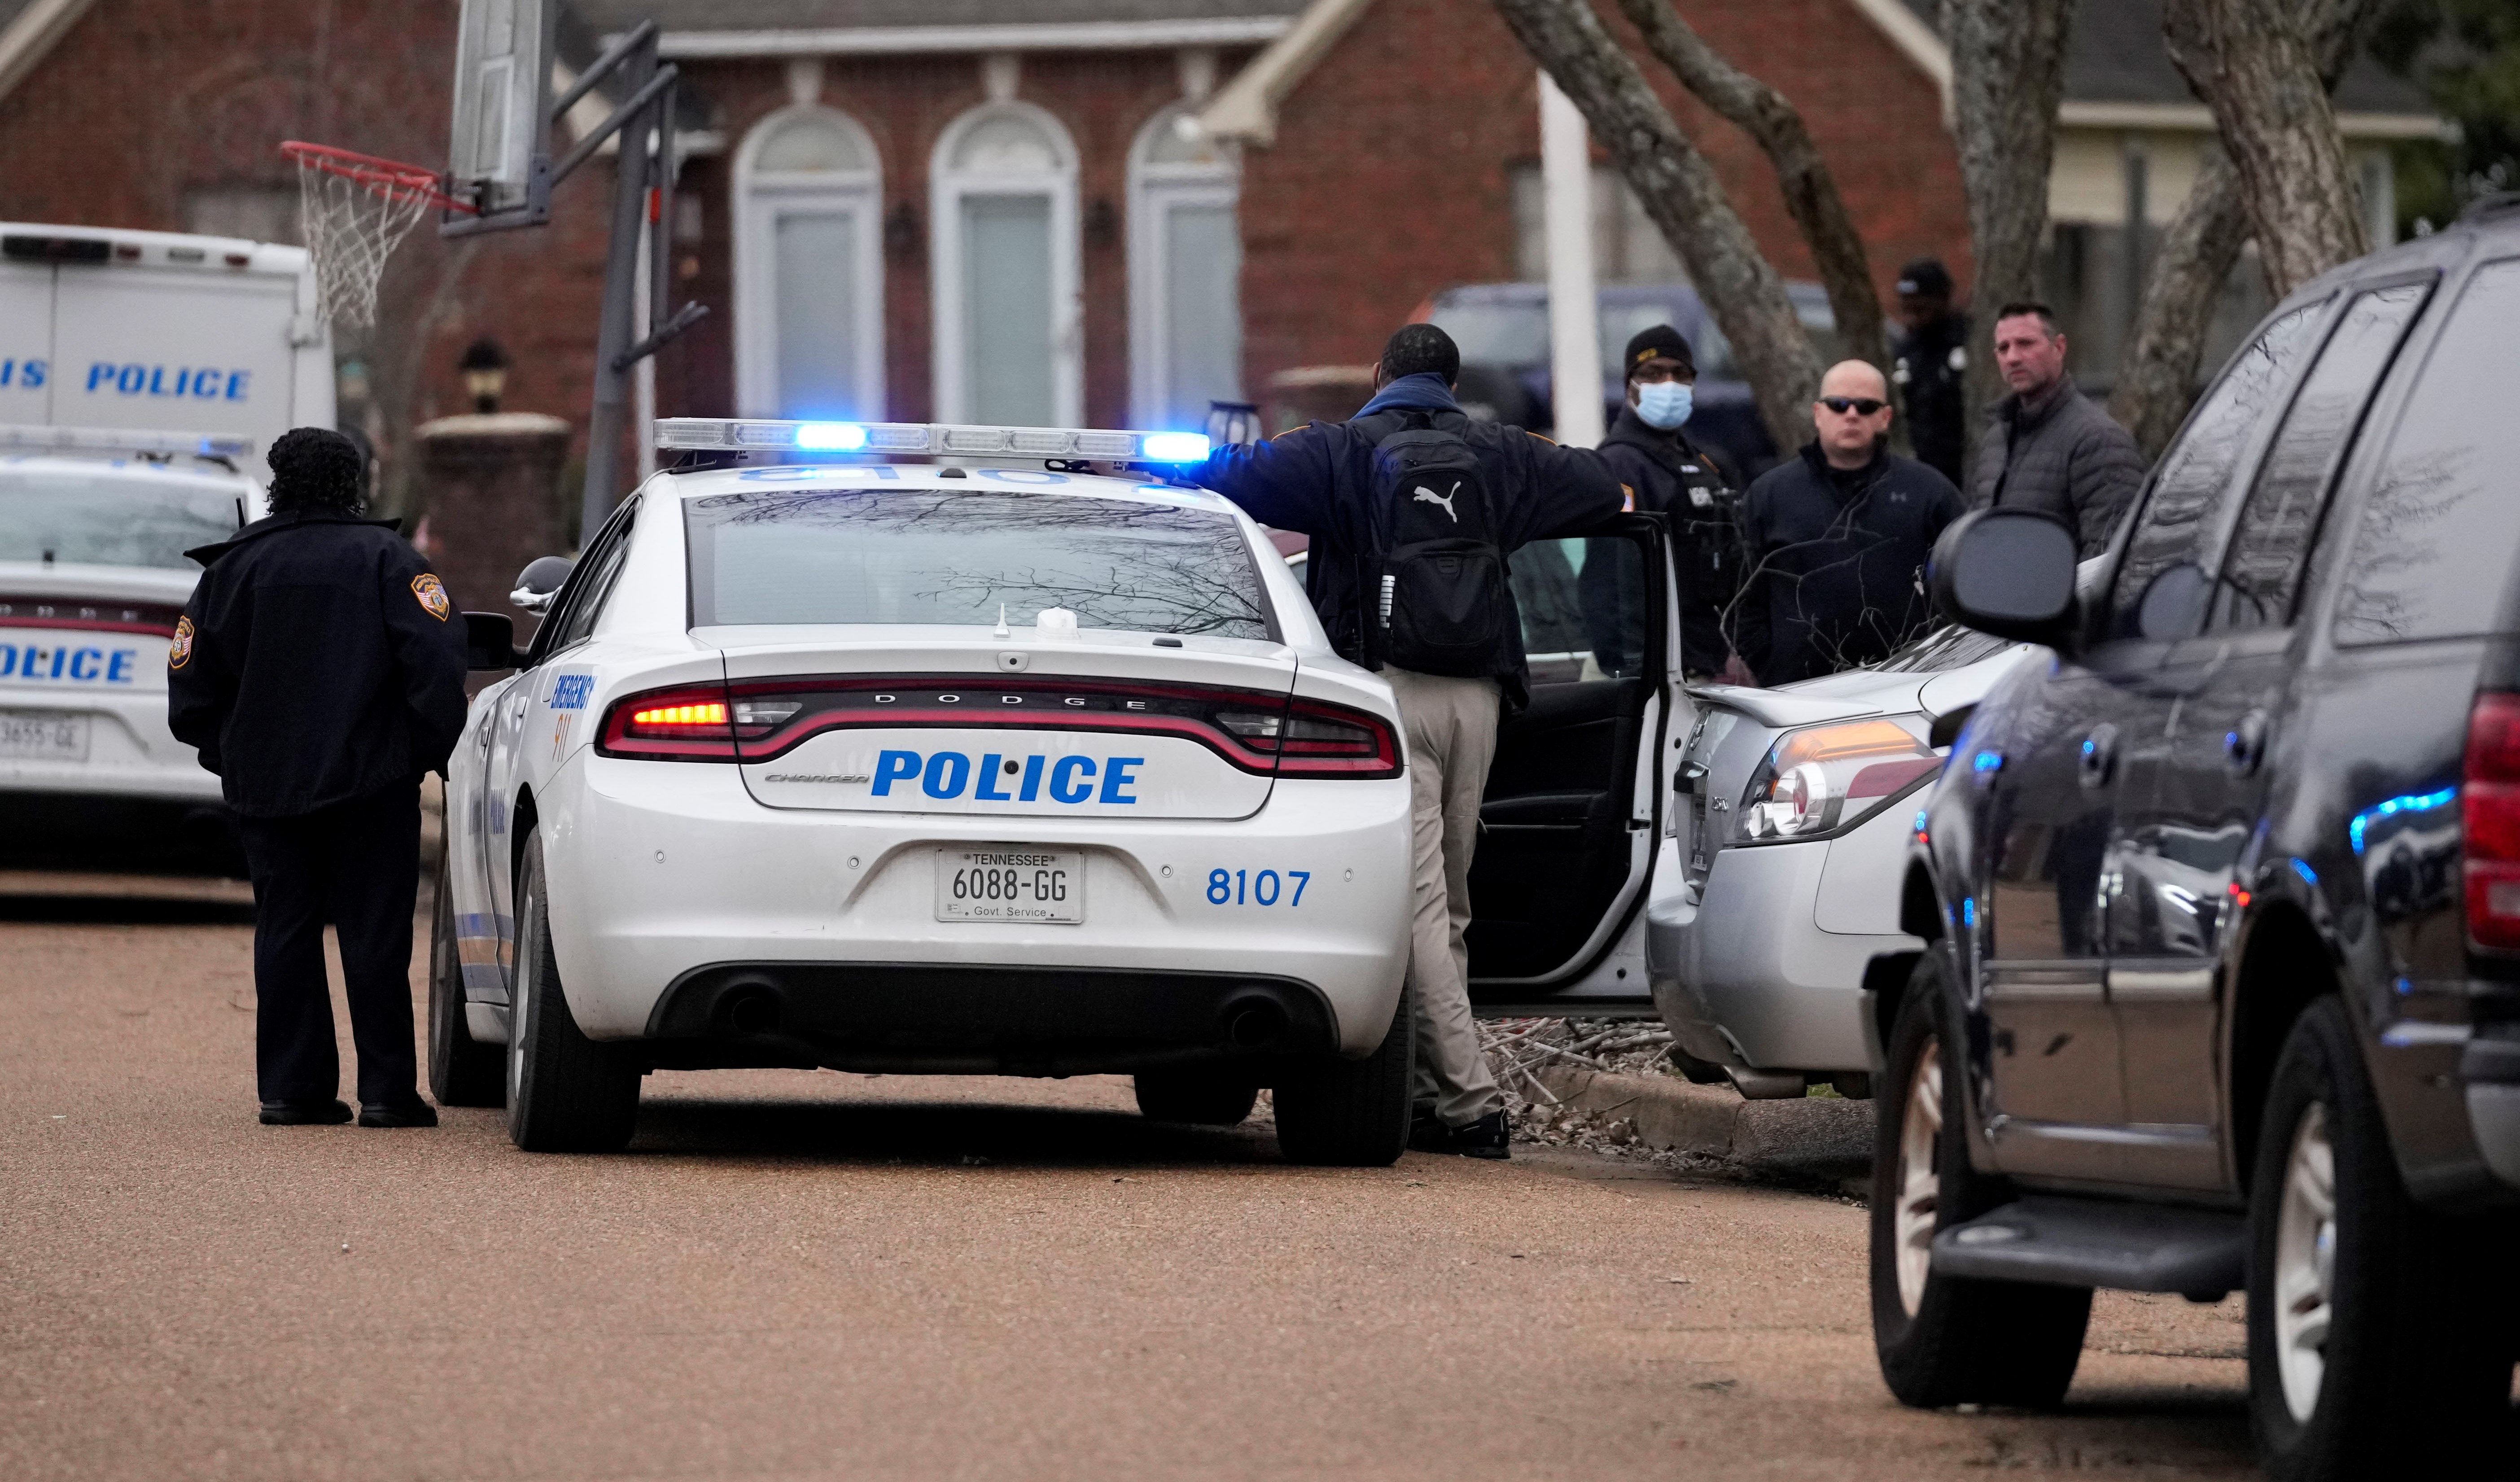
<point x="1103" y="211"/>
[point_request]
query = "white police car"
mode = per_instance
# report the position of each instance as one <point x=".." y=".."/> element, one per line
<point x="93" y="576"/>
<point x="905" y="767"/>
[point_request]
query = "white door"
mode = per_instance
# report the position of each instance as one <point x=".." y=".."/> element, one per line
<point x="809" y="269"/>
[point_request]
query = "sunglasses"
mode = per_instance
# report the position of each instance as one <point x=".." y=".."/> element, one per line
<point x="1860" y="406"/>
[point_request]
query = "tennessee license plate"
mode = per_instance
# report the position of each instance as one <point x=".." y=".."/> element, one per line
<point x="1011" y="884"/>
<point x="34" y="736"/>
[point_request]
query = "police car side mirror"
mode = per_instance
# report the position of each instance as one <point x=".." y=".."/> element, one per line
<point x="539" y="583"/>
<point x="489" y="642"/>
<point x="2008" y="572"/>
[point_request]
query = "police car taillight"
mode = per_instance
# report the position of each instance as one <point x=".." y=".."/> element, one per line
<point x="690" y="723"/>
<point x="1332" y="741"/>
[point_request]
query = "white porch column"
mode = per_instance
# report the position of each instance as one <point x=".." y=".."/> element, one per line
<point x="1574" y="316"/>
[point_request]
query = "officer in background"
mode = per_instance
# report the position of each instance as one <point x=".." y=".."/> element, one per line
<point x="319" y="669"/>
<point x="1930" y="367"/>
<point x="1673" y="477"/>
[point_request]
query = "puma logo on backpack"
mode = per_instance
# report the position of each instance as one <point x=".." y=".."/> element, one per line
<point x="1440" y="604"/>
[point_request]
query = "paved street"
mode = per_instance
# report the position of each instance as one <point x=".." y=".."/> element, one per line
<point x="803" y="1275"/>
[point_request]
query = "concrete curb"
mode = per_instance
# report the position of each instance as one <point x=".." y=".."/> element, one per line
<point x="1826" y="1138"/>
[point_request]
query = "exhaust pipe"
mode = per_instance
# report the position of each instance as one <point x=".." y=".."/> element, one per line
<point x="1255" y="1024"/>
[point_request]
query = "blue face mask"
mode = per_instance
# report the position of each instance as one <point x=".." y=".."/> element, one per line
<point x="1664" y="404"/>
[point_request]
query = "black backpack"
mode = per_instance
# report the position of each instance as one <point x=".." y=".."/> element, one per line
<point x="1436" y="600"/>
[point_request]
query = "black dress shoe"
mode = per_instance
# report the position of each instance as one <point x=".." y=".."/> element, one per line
<point x="1490" y="1137"/>
<point x="408" y="1114"/>
<point x="1428" y="1135"/>
<point x="305" y="1114"/>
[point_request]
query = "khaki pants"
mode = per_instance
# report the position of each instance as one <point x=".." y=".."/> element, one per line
<point x="1452" y="727"/>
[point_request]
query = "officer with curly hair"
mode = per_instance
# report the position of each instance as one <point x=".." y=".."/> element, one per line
<point x="318" y="670"/>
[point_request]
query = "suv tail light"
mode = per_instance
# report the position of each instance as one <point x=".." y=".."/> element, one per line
<point x="1825" y="777"/>
<point x="2490" y="820"/>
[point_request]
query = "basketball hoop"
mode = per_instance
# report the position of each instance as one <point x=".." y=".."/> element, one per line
<point x="355" y="210"/>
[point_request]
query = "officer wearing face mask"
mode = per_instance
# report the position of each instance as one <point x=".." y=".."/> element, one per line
<point x="1671" y="475"/>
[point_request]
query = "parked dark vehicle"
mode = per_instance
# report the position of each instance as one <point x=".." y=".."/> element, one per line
<point x="2222" y="908"/>
<point x="1502" y="330"/>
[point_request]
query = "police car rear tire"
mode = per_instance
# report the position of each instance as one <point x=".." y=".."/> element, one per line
<point x="1207" y="1096"/>
<point x="1351" y="1113"/>
<point x="462" y="1070"/>
<point x="566" y="1093"/>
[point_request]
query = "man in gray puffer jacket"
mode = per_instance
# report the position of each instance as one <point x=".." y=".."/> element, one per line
<point x="2047" y="446"/>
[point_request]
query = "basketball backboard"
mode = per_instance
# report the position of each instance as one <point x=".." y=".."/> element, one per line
<point x="500" y="154"/>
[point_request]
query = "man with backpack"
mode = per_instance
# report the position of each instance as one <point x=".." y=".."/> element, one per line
<point x="1413" y="510"/>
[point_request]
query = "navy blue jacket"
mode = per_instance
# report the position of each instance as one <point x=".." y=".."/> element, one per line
<point x="1319" y="479"/>
<point x="318" y="662"/>
<point x="1836" y="575"/>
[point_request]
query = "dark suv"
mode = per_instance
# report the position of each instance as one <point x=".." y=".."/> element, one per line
<point x="2222" y="908"/>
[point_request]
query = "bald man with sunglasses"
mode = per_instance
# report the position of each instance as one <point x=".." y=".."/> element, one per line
<point x="1837" y="540"/>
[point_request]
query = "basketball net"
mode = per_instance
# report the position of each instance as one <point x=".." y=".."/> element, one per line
<point x="355" y="210"/>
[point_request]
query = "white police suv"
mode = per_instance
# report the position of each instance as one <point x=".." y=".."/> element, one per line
<point x="93" y="530"/>
<point x="998" y="768"/>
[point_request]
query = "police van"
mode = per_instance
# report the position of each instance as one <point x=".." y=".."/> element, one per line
<point x="142" y="376"/>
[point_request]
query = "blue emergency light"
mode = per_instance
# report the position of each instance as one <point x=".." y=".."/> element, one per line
<point x="931" y="439"/>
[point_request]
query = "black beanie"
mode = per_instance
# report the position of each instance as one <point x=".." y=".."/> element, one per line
<point x="1927" y="278"/>
<point x="1660" y="340"/>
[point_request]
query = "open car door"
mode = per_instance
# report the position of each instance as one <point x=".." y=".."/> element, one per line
<point x="1576" y="799"/>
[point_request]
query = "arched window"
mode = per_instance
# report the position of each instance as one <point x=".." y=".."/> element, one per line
<point x="809" y="269"/>
<point x="1008" y="338"/>
<point x="1184" y="275"/>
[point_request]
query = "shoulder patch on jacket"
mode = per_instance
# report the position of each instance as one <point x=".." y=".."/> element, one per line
<point x="431" y="594"/>
<point x="180" y="651"/>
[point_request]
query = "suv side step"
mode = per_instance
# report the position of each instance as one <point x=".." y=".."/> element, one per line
<point x="2092" y="1242"/>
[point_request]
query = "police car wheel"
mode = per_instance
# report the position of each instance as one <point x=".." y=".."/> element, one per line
<point x="566" y="1093"/>
<point x="1207" y="1096"/>
<point x="1941" y="1339"/>
<point x="1351" y="1113"/>
<point x="2380" y="1331"/>
<point x="462" y="1070"/>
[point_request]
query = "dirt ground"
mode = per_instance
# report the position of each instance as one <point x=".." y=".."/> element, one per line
<point x="818" y="1274"/>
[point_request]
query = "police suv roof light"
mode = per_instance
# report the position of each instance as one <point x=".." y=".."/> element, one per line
<point x="916" y="438"/>
<point x="50" y="439"/>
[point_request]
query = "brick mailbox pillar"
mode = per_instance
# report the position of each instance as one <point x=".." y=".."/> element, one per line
<point x="493" y="497"/>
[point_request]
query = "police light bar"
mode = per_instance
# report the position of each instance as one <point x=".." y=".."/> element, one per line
<point x="23" y="439"/>
<point x="923" y="438"/>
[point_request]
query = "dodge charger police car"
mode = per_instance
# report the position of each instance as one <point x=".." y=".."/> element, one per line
<point x="908" y="767"/>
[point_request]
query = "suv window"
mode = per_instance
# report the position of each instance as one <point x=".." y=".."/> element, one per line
<point x="2262" y="568"/>
<point x="1583" y="602"/>
<point x="2199" y="466"/>
<point x="2433" y="555"/>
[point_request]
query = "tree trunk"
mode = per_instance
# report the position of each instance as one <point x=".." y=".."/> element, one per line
<point x="2197" y="254"/>
<point x="1681" y="193"/>
<point x="1810" y="189"/>
<point x="2256" y="64"/>
<point x="2007" y="77"/>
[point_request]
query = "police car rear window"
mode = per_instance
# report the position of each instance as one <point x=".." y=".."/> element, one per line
<point x="952" y="557"/>
<point x="100" y="519"/>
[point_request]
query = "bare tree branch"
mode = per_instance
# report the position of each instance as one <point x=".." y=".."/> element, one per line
<point x="1680" y="191"/>
<point x="1810" y="189"/>
<point x="2007" y="77"/>
<point x="2198" y="253"/>
<point x="2257" y="65"/>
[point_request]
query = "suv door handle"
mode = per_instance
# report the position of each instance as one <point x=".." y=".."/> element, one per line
<point x="2099" y="758"/>
<point x="2244" y="746"/>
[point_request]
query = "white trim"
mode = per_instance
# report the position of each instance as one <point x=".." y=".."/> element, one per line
<point x="1915" y="40"/>
<point x="2195" y="118"/>
<point x="946" y="189"/>
<point x="1246" y="109"/>
<point x="31" y="37"/>
<point x="1046" y="36"/>
<point x="1152" y="190"/>
<point x="760" y="198"/>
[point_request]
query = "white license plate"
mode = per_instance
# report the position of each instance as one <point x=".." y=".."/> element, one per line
<point x="1011" y="884"/>
<point x="34" y="736"/>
